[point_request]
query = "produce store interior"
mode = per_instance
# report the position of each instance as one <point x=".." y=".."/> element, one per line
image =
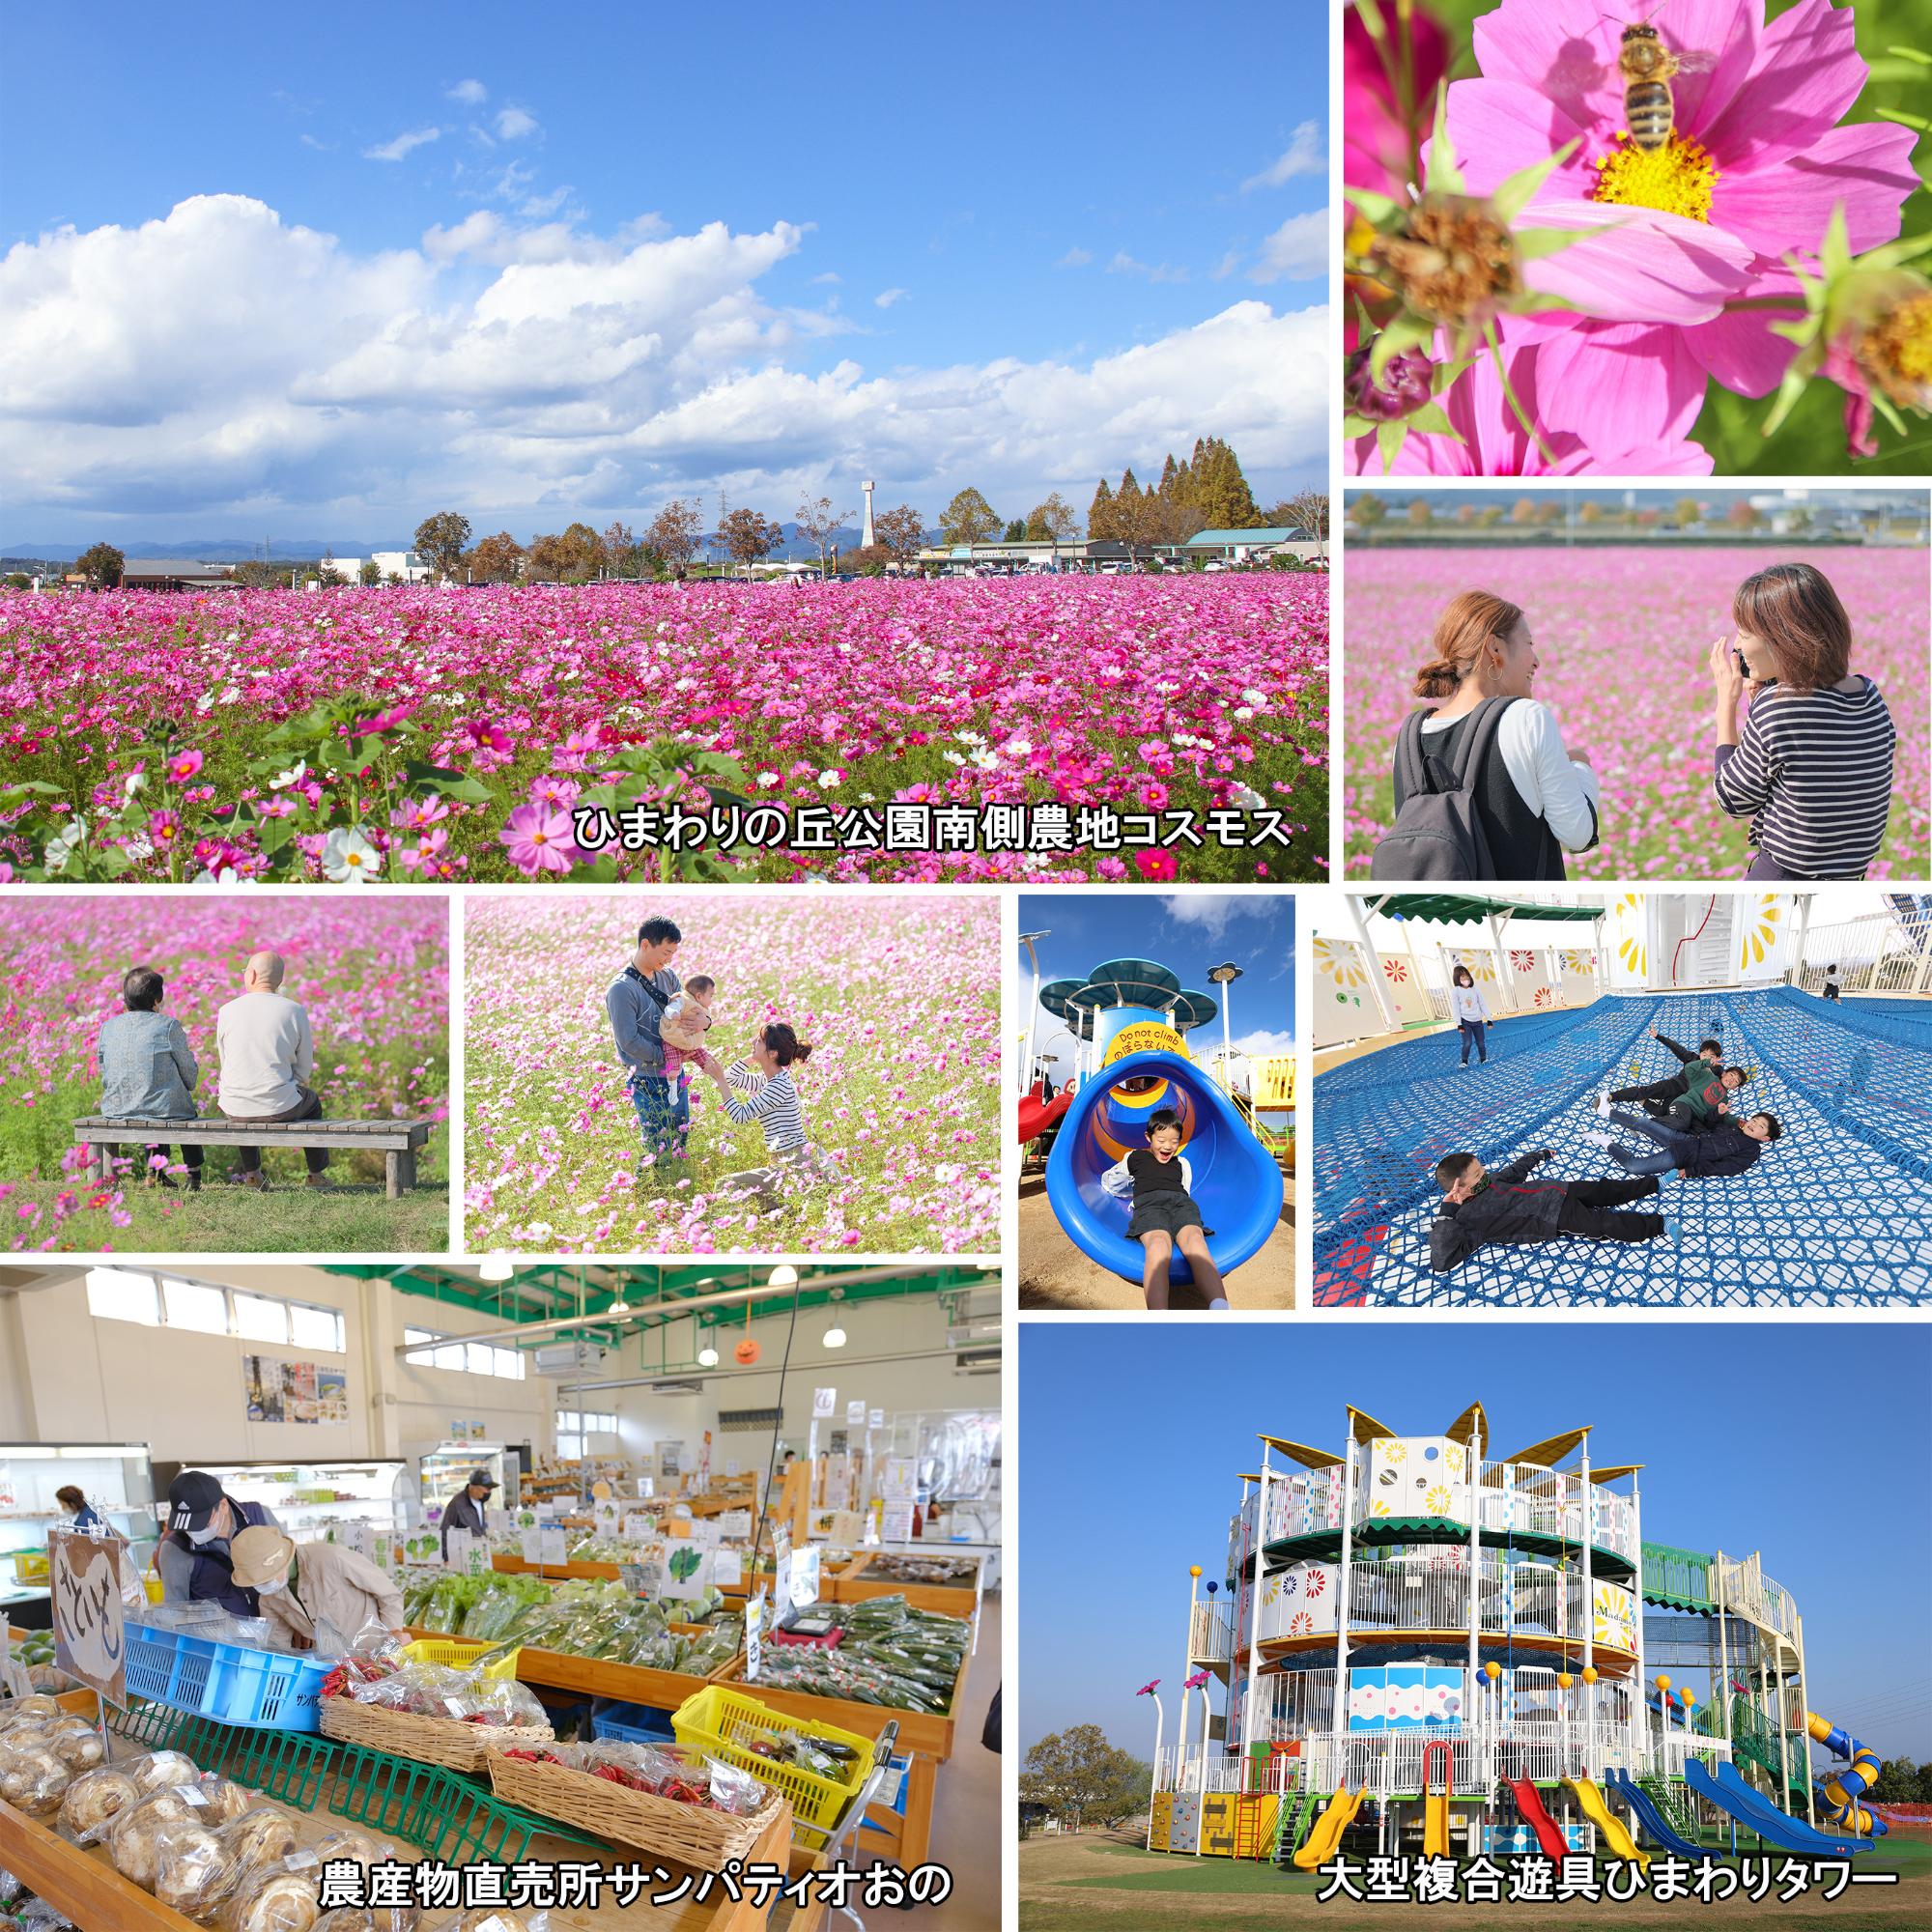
<point x="666" y="1456"/>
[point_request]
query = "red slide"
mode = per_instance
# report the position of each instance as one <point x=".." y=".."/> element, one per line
<point x="1529" y="1801"/>
<point x="1038" y="1114"/>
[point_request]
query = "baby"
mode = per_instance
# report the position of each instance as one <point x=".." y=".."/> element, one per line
<point x="685" y="1020"/>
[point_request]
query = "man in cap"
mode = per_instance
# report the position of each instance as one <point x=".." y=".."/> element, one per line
<point x="464" y="1508"/>
<point x="195" y="1553"/>
<point x="321" y="1586"/>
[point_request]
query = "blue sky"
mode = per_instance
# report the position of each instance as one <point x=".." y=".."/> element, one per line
<point x="536" y="269"/>
<point x="1805" y="1443"/>
<point x="1187" y="931"/>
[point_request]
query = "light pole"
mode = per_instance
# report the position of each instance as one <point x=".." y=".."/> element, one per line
<point x="1224" y="975"/>
<point x="1033" y="1009"/>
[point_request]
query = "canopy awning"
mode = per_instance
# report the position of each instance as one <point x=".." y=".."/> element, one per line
<point x="1468" y="908"/>
<point x="1545" y="1454"/>
<point x="1365" y="1428"/>
<point x="1300" y="1452"/>
<point x="1467" y="1425"/>
<point x="1615" y="1474"/>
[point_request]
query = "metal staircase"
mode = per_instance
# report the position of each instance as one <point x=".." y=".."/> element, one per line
<point x="1667" y="1797"/>
<point x="1289" y="1826"/>
<point x="1715" y="959"/>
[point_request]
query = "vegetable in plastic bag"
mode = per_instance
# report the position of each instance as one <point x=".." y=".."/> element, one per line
<point x="33" y="1779"/>
<point x="193" y="1871"/>
<point x="134" y="1839"/>
<point x="92" y="1801"/>
<point x="276" y="1901"/>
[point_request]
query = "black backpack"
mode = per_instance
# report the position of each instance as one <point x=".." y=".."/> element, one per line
<point x="1437" y="834"/>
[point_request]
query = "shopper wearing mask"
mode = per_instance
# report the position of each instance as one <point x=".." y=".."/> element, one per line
<point x="85" y="1515"/>
<point x="315" y="1585"/>
<point x="194" y="1555"/>
<point x="464" y="1508"/>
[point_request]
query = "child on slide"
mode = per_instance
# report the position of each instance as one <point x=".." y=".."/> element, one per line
<point x="1160" y="1183"/>
<point x="1506" y="1209"/>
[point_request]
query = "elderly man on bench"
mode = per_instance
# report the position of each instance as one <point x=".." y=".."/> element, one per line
<point x="267" y="1059"/>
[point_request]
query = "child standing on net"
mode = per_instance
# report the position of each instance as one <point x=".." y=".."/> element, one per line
<point x="1160" y="1183"/>
<point x="1472" y="1015"/>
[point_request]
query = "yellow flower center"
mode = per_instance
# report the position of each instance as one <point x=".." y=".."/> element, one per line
<point x="1898" y="353"/>
<point x="1674" y="179"/>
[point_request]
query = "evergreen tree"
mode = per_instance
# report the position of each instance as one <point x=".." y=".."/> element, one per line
<point x="1100" y="516"/>
<point x="1017" y="530"/>
<point x="1168" y="476"/>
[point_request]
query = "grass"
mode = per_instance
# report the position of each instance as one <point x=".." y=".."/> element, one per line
<point x="353" y="1217"/>
<point x="1065" y="1882"/>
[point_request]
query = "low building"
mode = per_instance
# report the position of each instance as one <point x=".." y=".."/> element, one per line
<point x="175" y="573"/>
<point x="1044" y="553"/>
<point x="404" y="566"/>
<point x="1249" y="545"/>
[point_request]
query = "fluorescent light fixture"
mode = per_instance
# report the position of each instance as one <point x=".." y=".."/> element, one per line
<point x="497" y="1267"/>
<point x="31" y="1452"/>
<point x="111" y="1449"/>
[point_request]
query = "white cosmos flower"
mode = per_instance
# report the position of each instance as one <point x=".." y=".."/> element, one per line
<point x="295" y="775"/>
<point x="349" y="856"/>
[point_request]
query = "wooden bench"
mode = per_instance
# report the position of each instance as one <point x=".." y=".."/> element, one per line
<point x="397" y="1141"/>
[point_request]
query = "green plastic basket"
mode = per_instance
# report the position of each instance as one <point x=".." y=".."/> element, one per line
<point x="443" y="1815"/>
<point x="292" y="1766"/>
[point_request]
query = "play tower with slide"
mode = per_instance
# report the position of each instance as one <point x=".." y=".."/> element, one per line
<point x="1131" y="1020"/>
<point x="1426" y="1646"/>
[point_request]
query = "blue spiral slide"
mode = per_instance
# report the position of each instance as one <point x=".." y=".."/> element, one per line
<point x="1237" y="1187"/>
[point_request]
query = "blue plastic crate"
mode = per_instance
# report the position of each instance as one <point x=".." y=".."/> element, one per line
<point x="630" y="1723"/>
<point x="255" y="1688"/>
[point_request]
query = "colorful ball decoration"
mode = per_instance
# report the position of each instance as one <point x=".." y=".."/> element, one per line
<point x="1589" y="1673"/>
<point x="1492" y="1671"/>
<point x="745" y="1353"/>
<point x="1564" y="1678"/>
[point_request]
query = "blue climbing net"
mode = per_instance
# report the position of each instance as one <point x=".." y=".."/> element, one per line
<point x="1839" y="1213"/>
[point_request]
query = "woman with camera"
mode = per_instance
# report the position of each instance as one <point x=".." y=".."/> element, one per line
<point x="1812" y="765"/>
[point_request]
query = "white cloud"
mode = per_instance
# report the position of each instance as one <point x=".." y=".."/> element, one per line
<point x="585" y="374"/>
<point x="1263" y="1046"/>
<point x="321" y="147"/>
<point x="1209" y="913"/>
<point x="1225" y="266"/>
<point x="886" y="297"/>
<point x="829" y="279"/>
<point x="1297" y="252"/>
<point x="394" y="151"/>
<point x="471" y="93"/>
<point x="1075" y="258"/>
<point x="514" y="124"/>
<point x="1304" y="155"/>
<point x="1124" y="264"/>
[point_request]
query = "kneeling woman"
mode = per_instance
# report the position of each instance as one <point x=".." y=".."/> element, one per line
<point x="1533" y="800"/>
<point x="1813" y="766"/>
<point x="768" y="1094"/>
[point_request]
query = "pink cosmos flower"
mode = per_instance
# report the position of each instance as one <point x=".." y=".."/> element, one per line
<point x="1495" y="444"/>
<point x="183" y="766"/>
<point x="487" y="735"/>
<point x="1374" y="142"/>
<point x="414" y="813"/>
<point x="1755" y="164"/>
<point x="538" y="839"/>
<point x="163" y="827"/>
<point x="1158" y="867"/>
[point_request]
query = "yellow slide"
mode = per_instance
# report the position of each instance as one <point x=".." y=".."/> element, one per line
<point x="1329" y="1827"/>
<point x="1435" y="1825"/>
<point x="1622" y="1845"/>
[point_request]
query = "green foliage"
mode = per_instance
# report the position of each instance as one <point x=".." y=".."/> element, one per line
<point x="969" y="519"/>
<point x="1078" y="1770"/>
<point x="101" y="564"/>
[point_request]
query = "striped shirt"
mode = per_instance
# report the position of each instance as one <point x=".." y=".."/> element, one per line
<point x="1812" y="769"/>
<point x="774" y="1106"/>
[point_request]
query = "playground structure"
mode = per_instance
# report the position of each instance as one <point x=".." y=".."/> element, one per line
<point x="1129" y="1020"/>
<point x="1425" y="1647"/>
<point x="1837" y="1212"/>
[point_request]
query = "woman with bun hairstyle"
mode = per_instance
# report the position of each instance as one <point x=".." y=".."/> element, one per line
<point x="1812" y="765"/>
<point x="1532" y="800"/>
<point x="766" y="1092"/>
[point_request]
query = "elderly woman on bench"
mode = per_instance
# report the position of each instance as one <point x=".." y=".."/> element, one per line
<point x="148" y="1069"/>
<point x="268" y="1058"/>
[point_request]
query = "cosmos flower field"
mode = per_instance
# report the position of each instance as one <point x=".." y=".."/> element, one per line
<point x="1622" y="634"/>
<point x="373" y="972"/>
<point x="440" y="734"/>
<point x="899" y="995"/>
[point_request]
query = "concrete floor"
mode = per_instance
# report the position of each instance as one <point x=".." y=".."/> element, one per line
<point x="1055" y="1274"/>
<point x="970" y="1838"/>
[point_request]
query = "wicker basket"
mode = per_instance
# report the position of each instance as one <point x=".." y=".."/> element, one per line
<point x="686" y="1834"/>
<point x="444" y="1741"/>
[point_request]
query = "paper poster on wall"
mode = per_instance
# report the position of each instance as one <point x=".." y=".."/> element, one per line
<point x="331" y="1395"/>
<point x="298" y="1403"/>
<point x="84" y="1592"/>
<point x="262" y="1387"/>
<point x="669" y="1455"/>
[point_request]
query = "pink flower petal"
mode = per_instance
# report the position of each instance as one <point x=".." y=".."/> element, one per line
<point x="1565" y="50"/>
<point x="1601" y="379"/>
<point x="1497" y="126"/>
<point x="1643" y="267"/>
<point x="1868" y="166"/>
<point x="1728" y="34"/>
<point x="1806" y="75"/>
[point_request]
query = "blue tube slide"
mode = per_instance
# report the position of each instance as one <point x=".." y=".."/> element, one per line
<point x="1729" y="1792"/>
<point x="1237" y="1187"/>
<point x="1650" y="1817"/>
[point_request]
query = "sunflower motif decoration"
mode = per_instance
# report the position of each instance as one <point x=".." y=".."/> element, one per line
<point x="1452" y="1459"/>
<point x="1340" y="963"/>
<point x="1317" y="1583"/>
<point x="1438" y="1500"/>
<point x="1302" y="1624"/>
<point x="1396" y="969"/>
<point x="1395" y="1452"/>
<point x="1759" y="937"/>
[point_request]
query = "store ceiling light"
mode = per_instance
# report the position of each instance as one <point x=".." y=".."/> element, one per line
<point x="28" y="1452"/>
<point x="708" y="1357"/>
<point x="93" y="1451"/>
<point x="834" y="1336"/>
<point x="497" y="1269"/>
<point x="618" y="1307"/>
<point x="784" y="1276"/>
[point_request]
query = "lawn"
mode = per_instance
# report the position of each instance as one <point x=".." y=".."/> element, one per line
<point x="899" y="996"/>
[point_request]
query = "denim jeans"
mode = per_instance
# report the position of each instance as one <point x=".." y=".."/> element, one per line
<point x="664" y="1113"/>
<point x="1472" y="1030"/>
<point x="1677" y="1149"/>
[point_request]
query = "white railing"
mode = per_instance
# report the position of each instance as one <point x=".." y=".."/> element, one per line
<point x="1210" y="1634"/>
<point x="1669" y="1753"/>
<point x="1418" y="1593"/>
<point x="1189" y="1772"/>
<point x="1294" y="1704"/>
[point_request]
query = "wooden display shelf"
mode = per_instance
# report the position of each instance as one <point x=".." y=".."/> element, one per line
<point x="928" y="1731"/>
<point x="853" y="1585"/>
<point x="597" y="1677"/>
<point x="83" y="1884"/>
<point x="558" y="1573"/>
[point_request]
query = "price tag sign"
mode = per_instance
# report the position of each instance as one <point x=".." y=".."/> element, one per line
<point x="554" y="1545"/>
<point x="877" y="1419"/>
<point x="462" y="1551"/>
<point x="754" y="1650"/>
<point x="706" y="1534"/>
<point x="728" y="1570"/>
<point x="687" y="1567"/>
<point x="734" y="1526"/>
<point x="899" y="1488"/>
<point x="780" y="1574"/>
<point x="530" y="1540"/>
<point x="84" y="1590"/>
<point x="639" y="1528"/>
<point x="805" y="1575"/>
<point x="855" y="1415"/>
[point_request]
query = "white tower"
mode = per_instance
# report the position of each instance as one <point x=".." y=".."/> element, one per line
<point x="867" y="537"/>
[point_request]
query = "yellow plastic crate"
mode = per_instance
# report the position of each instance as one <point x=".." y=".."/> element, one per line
<point x="31" y="1566"/>
<point x="459" y="1653"/>
<point x="725" y="1722"/>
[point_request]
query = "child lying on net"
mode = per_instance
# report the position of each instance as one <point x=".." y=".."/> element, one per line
<point x="1507" y="1209"/>
<point x="1691" y="1100"/>
<point x="1724" y="1148"/>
